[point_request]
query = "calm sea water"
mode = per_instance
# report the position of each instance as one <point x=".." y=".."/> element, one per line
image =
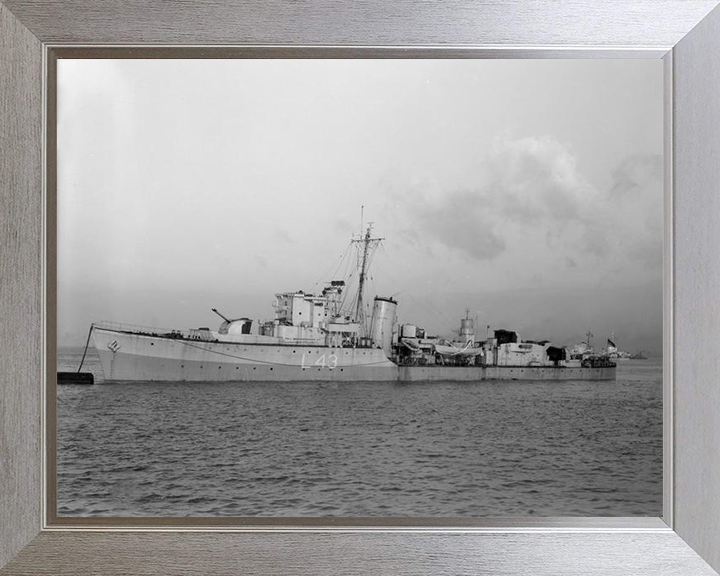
<point x="361" y="449"/>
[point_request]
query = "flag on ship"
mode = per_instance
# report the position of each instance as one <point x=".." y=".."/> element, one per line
<point x="611" y="348"/>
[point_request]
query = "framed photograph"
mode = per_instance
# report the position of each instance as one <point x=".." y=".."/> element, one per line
<point x="106" y="141"/>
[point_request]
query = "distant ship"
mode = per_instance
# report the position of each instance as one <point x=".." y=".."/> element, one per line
<point x="317" y="337"/>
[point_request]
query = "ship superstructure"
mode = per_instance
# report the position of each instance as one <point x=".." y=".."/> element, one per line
<point x="319" y="337"/>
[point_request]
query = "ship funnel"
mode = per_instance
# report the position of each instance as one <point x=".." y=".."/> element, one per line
<point x="381" y="326"/>
<point x="467" y="329"/>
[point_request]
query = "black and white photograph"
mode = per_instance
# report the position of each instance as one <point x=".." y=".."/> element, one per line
<point x="358" y="288"/>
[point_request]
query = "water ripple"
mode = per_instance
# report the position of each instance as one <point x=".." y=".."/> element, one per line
<point x="362" y="449"/>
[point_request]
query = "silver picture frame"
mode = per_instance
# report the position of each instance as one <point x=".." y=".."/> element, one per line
<point x="686" y="540"/>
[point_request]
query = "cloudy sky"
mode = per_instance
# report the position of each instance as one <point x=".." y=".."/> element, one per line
<point x="528" y="191"/>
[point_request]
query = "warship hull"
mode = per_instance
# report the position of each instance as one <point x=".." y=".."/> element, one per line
<point x="131" y="356"/>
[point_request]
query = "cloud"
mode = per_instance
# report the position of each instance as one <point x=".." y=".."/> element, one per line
<point x="634" y="175"/>
<point x="537" y="178"/>
<point x="637" y="193"/>
<point x="531" y="191"/>
<point x="461" y="223"/>
<point x="283" y="236"/>
<point x="527" y="183"/>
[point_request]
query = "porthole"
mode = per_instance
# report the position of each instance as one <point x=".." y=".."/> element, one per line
<point x="272" y="368"/>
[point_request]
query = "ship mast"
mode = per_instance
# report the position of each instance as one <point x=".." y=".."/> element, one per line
<point x="368" y="245"/>
<point x="588" y="336"/>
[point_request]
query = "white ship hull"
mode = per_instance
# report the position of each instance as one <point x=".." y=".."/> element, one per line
<point x="152" y="358"/>
<point x="129" y="356"/>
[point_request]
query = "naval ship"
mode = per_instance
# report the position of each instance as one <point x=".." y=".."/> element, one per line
<point x="316" y="337"/>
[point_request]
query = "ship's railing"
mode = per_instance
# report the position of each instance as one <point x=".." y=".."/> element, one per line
<point x="193" y="334"/>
